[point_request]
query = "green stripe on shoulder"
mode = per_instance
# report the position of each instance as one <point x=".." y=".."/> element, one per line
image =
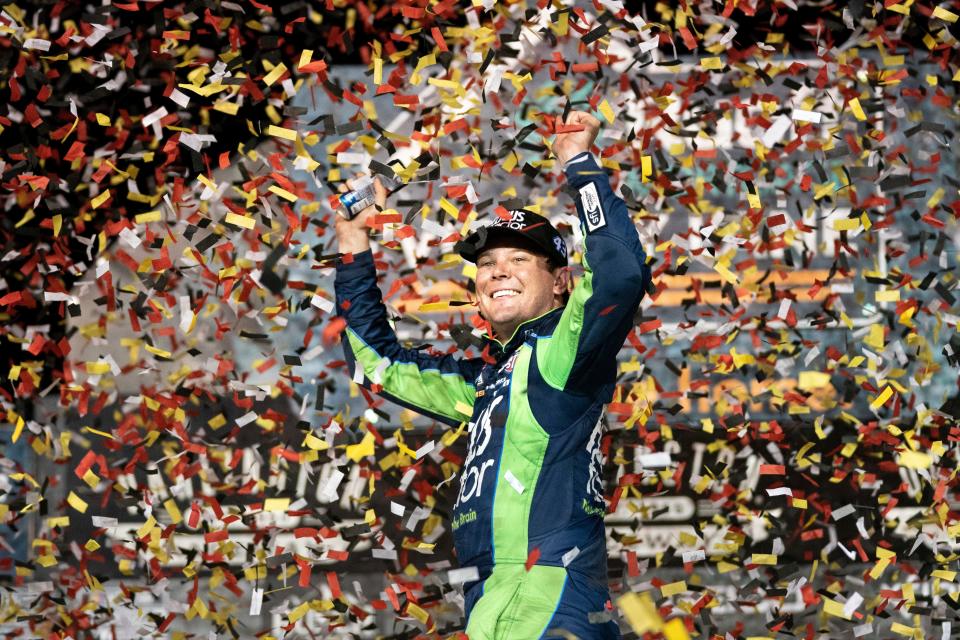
<point x="556" y="353"/>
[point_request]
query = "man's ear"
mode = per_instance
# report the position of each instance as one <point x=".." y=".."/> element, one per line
<point x="562" y="281"/>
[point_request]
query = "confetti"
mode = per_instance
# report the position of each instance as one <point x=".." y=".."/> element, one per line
<point x="785" y="410"/>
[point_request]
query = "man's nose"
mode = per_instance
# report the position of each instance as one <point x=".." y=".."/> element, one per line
<point x="500" y="269"/>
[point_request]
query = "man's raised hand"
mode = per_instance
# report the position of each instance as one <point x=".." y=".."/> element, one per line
<point x="568" y="144"/>
<point x="353" y="235"/>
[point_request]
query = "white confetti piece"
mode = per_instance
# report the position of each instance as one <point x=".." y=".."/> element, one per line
<point x="843" y="512"/>
<point x="463" y="574"/>
<point x="807" y="116"/>
<point x="776" y="131"/>
<point x="256" y="601"/>
<point x="568" y="557"/>
<point x="514" y="482"/>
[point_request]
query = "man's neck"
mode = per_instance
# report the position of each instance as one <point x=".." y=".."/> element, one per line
<point x="504" y="333"/>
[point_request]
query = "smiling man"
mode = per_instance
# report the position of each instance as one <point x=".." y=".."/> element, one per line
<point x="529" y="512"/>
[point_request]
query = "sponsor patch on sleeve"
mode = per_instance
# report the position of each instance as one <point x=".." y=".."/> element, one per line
<point x="592" y="209"/>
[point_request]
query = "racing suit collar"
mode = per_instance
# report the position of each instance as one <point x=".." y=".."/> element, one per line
<point x="519" y="334"/>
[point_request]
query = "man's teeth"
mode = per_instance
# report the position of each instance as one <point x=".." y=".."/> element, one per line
<point x="505" y="292"/>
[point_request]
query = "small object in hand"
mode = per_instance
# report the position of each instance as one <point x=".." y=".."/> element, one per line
<point x="363" y="196"/>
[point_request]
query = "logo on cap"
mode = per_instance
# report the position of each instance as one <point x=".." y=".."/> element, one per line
<point x="517" y="221"/>
<point x="561" y="247"/>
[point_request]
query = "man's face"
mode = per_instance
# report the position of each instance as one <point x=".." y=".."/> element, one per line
<point x="514" y="284"/>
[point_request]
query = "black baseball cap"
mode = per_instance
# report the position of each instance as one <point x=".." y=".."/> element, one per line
<point x="523" y="224"/>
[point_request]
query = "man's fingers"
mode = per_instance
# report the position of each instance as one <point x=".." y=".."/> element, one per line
<point x="582" y="118"/>
<point x="591" y="120"/>
<point x="379" y="191"/>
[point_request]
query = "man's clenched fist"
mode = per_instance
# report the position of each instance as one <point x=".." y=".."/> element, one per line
<point x="567" y="145"/>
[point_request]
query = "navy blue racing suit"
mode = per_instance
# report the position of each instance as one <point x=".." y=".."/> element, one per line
<point x="529" y="512"/>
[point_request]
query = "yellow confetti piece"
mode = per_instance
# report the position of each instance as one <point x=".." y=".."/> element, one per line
<point x="163" y="353"/>
<point x="846" y="224"/>
<point x="713" y="63"/>
<point x="283" y="193"/>
<point x="914" y="459"/>
<point x="463" y="408"/>
<point x="18" y="429"/>
<point x="449" y="207"/>
<point x="365" y="448"/>
<point x="77" y="502"/>
<point x="299" y="612"/>
<point x="641" y="613"/>
<point x="903" y="629"/>
<point x="944" y="14"/>
<point x="810" y="380"/>
<point x="833" y="608"/>
<point x="726" y="274"/>
<point x="281" y="132"/>
<point x="857" y="110"/>
<point x="173" y="511"/>
<point x="103" y="120"/>
<point x="646" y="168"/>
<point x="764" y="558"/>
<point x="305" y="57"/>
<point x="427" y="307"/>
<point x="91" y="478"/>
<point x="238" y="220"/>
<point x="882" y="398"/>
<point x="147" y="527"/>
<point x="227" y="107"/>
<point x="417" y="612"/>
<point x="824" y="190"/>
<point x="100" y="199"/>
<point x="149" y="216"/>
<point x="98" y="432"/>
<point x="277" y="504"/>
<point x="675" y="630"/>
<point x="60" y="521"/>
<point x="606" y="111"/>
<point x="673" y="588"/>
<point x="315" y="443"/>
<point x="879" y="568"/>
<point x="874" y="338"/>
<point x="97" y="368"/>
<point x="275" y="74"/>
<point x="888" y="295"/>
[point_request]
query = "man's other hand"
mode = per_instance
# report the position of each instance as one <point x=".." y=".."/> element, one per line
<point x="353" y="235"/>
<point x="568" y="145"/>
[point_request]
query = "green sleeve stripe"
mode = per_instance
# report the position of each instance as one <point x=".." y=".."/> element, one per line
<point x="517" y="603"/>
<point x="427" y="389"/>
<point x="556" y="353"/>
<point x="524" y="447"/>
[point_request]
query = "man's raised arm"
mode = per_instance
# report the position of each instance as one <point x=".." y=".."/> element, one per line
<point x="582" y="351"/>
<point x="439" y="387"/>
